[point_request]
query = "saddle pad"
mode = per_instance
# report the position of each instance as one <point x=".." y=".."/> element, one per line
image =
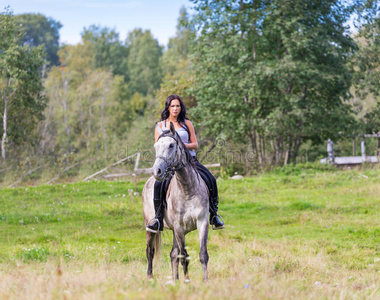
<point x="166" y="185"/>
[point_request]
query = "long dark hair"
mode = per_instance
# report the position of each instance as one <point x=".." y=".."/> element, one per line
<point x="182" y="114"/>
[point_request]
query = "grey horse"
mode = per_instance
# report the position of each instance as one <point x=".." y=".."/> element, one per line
<point x="187" y="203"/>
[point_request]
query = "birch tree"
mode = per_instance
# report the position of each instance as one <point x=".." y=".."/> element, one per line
<point x="21" y="86"/>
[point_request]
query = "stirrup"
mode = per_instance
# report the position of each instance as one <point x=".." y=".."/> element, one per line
<point x="152" y="230"/>
<point x="212" y="223"/>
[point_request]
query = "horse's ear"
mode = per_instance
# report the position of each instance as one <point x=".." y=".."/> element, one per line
<point x="172" y="129"/>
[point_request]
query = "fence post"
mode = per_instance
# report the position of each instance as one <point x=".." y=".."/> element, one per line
<point x="330" y="151"/>
<point x="363" y="150"/>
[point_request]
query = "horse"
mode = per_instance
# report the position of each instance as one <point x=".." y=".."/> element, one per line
<point x="187" y="203"/>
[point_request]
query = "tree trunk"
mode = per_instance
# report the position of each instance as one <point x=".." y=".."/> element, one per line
<point x="274" y="149"/>
<point x="252" y="137"/>
<point x="279" y="150"/>
<point x="260" y="154"/>
<point x="213" y="145"/>
<point x="286" y="156"/>
<point x="65" y="83"/>
<point x="252" y="131"/>
<point x="44" y="138"/>
<point x="43" y="70"/>
<point x="4" y="139"/>
<point x="264" y="155"/>
<point x="89" y="124"/>
<point x="66" y="122"/>
<point x="103" y="116"/>
<point x="297" y="145"/>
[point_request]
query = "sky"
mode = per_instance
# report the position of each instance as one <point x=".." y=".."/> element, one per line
<point x="160" y="16"/>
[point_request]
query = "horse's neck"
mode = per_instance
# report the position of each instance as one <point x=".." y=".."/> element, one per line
<point x="188" y="179"/>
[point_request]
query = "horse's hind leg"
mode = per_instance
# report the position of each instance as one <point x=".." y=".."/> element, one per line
<point x="150" y="252"/>
<point x="203" y="255"/>
<point x="185" y="260"/>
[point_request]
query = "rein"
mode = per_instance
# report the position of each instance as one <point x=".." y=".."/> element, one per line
<point x="171" y="169"/>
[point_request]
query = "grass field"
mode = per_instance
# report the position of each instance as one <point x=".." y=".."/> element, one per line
<point x="297" y="233"/>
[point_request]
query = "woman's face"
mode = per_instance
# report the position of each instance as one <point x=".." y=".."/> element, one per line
<point x="175" y="108"/>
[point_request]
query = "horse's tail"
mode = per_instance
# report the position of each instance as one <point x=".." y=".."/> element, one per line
<point x="158" y="246"/>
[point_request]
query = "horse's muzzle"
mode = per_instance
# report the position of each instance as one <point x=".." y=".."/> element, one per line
<point x="158" y="173"/>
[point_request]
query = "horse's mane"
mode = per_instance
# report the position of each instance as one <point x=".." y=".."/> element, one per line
<point x="189" y="157"/>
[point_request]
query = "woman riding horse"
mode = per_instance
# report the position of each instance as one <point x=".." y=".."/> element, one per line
<point x="175" y="112"/>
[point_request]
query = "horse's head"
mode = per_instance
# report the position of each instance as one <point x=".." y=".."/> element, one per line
<point x="168" y="154"/>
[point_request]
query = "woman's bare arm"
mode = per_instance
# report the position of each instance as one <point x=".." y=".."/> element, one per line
<point x="156" y="134"/>
<point x="193" y="145"/>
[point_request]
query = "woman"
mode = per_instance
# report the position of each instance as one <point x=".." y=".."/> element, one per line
<point x="175" y="112"/>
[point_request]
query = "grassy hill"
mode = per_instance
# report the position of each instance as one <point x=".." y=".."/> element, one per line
<point x="294" y="233"/>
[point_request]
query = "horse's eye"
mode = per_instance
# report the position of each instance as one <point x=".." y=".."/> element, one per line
<point x="171" y="145"/>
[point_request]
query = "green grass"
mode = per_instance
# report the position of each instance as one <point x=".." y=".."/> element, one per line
<point x="85" y="219"/>
<point x="292" y="233"/>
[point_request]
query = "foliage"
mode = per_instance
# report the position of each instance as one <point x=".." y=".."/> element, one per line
<point x="143" y="62"/>
<point x="271" y="78"/>
<point x="178" y="78"/>
<point x="33" y="254"/>
<point x="179" y="46"/>
<point x="274" y="74"/>
<point x="22" y="102"/>
<point x="367" y="58"/>
<point x="88" y="102"/>
<point x="180" y="82"/>
<point x="40" y="30"/>
<point x="372" y="120"/>
<point x="304" y="168"/>
<point x="108" y="50"/>
<point x="367" y="75"/>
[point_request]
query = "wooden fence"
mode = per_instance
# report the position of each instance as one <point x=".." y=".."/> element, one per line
<point x="351" y="160"/>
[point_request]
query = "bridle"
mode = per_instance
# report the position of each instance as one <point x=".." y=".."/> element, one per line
<point x="171" y="168"/>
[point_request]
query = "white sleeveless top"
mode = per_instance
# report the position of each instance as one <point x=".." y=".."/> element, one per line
<point x="183" y="134"/>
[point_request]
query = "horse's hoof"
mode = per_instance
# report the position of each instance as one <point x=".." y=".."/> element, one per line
<point x="170" y="282"/>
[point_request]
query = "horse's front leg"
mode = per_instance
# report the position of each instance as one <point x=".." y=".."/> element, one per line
<point x="150" y="252"/>
<point x="179" y="239"/>
<point x="203" y="255"/>
<point x="174" y="255"/>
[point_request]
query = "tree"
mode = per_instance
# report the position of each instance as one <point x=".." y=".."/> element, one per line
<point x="108" y="50"/>
<point x="89" y="110"/>
<point x="176" y="64"/>
<point x="143" y="62"/>
<point x="366" y="63"/>
<point x="179" y="45"/>
<point x="40" y="30"/>
<point x="273" y="72"/>
<point x="62" y="86"/>
<point x="367" y="60"/>
<point x="22" y="102"/>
